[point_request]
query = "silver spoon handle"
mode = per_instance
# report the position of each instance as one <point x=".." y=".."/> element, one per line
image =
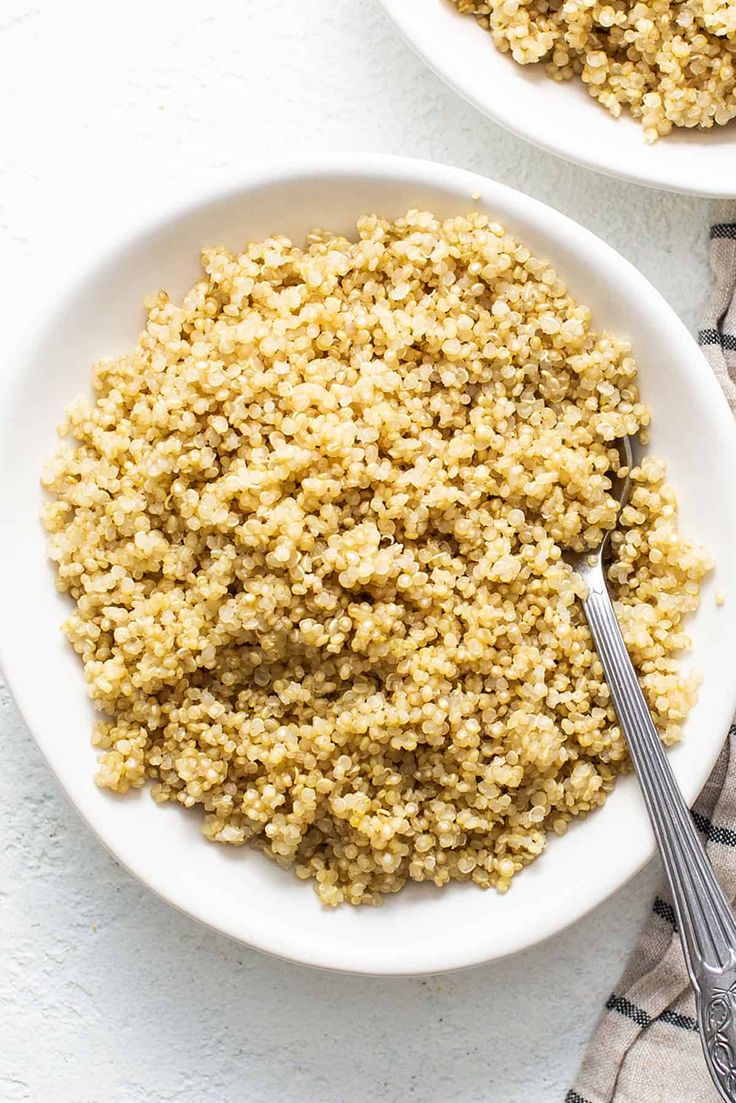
<point x="704" y="915"/>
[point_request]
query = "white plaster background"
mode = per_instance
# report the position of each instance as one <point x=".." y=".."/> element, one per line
<point x="106" y="994"/>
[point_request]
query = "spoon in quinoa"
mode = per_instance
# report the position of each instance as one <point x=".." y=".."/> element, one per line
<point x="705" y="919"/>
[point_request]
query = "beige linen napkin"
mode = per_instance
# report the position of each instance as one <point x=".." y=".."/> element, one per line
<point x="646" y="1047"/>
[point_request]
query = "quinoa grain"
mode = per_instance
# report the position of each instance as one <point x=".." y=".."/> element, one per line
<point x="313" y="528"/>
<point x="669" y="62"/>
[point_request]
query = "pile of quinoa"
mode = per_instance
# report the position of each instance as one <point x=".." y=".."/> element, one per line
<point x="313" y="528"/>
<point x="668" y="63"/>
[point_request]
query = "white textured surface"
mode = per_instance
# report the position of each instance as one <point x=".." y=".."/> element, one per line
<point x="107" y="995"/>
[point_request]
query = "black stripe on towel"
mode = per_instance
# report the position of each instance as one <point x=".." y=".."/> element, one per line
<point x="574" y="1097"/>
<point x="642" y="1018"/>
<point x="628" y="1009"/>
<point x="715" y="337"/>
<point x="674" y="1018"/>
<point x="722" y="835"/>
<point x="723" y="229"/>
<point x="665" y="911"/>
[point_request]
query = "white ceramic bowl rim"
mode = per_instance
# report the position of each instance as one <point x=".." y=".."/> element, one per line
<point x="248" y="925"/>
<point x="561" y="117"/>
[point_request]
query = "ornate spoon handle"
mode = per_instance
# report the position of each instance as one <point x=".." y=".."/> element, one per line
<point x="705" y="918"/>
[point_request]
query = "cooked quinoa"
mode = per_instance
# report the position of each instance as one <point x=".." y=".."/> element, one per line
<point x="668" y="63"/>
<point x="313" y="526"/>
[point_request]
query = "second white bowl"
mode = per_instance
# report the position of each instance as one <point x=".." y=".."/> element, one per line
<point x="561" y="117"/>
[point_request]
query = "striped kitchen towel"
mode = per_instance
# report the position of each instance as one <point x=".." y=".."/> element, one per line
<point x="646" y="1047"/>
<point x="718" y="335"/>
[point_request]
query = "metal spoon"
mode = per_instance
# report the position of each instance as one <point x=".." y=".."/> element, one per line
<point x="705" y="919"/>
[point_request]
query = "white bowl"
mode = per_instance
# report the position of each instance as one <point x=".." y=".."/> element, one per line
<point x="240" y="892"/>
<point x="561" y="117"/>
